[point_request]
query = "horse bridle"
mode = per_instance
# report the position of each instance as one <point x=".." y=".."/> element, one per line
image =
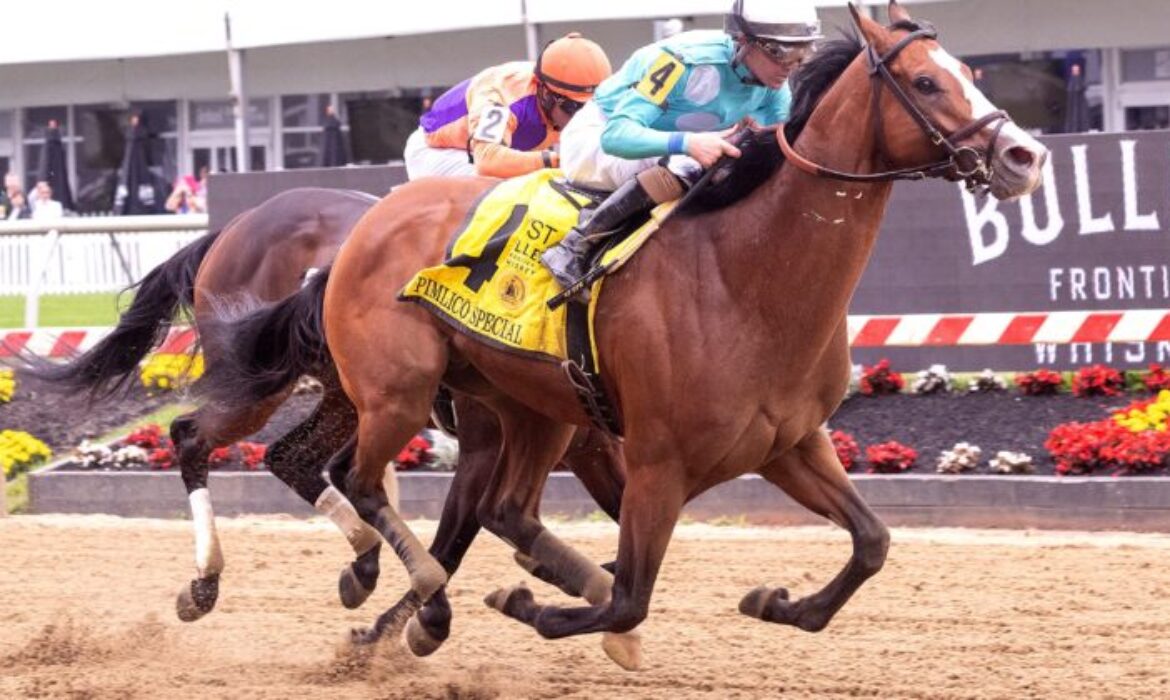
<point x="963" y="162"/>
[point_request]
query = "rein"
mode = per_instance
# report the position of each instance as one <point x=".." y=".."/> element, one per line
<point x="963" y="162"/>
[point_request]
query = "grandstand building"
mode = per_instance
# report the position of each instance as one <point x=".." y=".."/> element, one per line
<point x="378" y="64"/>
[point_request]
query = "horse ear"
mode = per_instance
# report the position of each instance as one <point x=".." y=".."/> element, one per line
<point x="869" y="29"/>
<point x="899" y="13"/>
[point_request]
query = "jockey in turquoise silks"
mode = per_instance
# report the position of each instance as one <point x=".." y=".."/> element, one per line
<point x="666" y="114"/>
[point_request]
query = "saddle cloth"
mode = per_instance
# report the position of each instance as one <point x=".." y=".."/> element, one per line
<point x="492" y="285"/>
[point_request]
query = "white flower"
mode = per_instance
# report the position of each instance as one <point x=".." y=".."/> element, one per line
<point x="855" y="372"/>
<point x="444" y="450"/>
<point x="92" y="454"/>
<point x="963" y="457"/>
<point x="1006" y="462"/>
<point x="988" y="381"/>
<point x="130" y="456"/>
<point x="934" y="380"/>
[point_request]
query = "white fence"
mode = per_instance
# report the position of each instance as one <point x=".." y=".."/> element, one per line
<point x="74" y="256"/>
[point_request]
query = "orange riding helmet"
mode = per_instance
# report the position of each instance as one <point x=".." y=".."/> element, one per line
<point x="573" y="66"/>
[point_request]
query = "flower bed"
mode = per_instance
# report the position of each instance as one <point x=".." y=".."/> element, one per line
<point x="981" y="426"/>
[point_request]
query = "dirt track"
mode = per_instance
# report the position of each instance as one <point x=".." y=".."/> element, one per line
<point x="86" y="611"/>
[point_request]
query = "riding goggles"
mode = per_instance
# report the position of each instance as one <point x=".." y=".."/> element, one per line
<point x="785" y="54"/>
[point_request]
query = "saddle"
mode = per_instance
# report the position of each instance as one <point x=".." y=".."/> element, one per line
<point x="493" y="287"/>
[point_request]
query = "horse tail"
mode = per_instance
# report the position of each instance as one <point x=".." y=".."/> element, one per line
<point x="158" y="298"/>
<point x="267" y="349"/>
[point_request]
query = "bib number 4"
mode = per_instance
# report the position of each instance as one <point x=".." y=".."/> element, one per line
<point x="661" y="78"/>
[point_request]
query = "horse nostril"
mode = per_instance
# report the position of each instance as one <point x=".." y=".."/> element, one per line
<point x="1021" y="156"/>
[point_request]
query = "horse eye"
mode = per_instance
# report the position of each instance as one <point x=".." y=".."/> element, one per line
<point x="925" y="85"/>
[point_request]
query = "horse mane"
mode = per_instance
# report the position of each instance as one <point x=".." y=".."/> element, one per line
<point x="736" y="178"/>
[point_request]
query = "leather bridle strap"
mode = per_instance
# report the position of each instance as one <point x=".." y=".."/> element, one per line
<point x="975" y="170"/>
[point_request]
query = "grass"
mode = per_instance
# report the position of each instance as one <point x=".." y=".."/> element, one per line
<point x="16" y="494"/>
<point x="162" y="416"/>
<point x="63" y="310"/>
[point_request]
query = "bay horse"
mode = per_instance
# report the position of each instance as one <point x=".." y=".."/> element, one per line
<point x="722" y="343"/>
<point x="263" y="255"/>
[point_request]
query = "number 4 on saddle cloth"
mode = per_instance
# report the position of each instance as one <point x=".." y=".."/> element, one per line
<point x="493" y="287"/>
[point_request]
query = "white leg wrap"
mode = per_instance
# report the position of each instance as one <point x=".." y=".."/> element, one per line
<point x="208" y="556"/>
<point x="335" y="506"/>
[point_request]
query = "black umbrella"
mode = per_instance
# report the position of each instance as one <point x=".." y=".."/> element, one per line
<point x="1076" y="108"/>
<point x="53" y="169"/>
<point x="332" y="143"/>
<point x="140" y="190"/>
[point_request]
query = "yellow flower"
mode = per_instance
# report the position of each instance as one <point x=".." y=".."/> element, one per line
<point x="170" y="370"/>
<point x="19" y="451"/>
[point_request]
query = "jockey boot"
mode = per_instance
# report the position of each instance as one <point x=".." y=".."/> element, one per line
<point x="567" y="259"/>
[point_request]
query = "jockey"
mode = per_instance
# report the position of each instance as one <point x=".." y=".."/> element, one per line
<point x="676" y="102"/>
<point x="505" y="120"/>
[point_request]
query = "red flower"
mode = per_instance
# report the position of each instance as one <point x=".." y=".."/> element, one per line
<point x="1157" y="378"/>
<point x="252" y="454"/>
<point x="890" y="457"/>
<point x="220" y="456"/>
<point x="1042" y="382"/>
<point x="1098" y="381"/>
<point x="161" y="458"/>
<point x="847" y="450"/>
<point x="414" y="454"/>
<point x="1084" y="448"/>
<point x="878" y="379"/>
<point x="147" y="437"/>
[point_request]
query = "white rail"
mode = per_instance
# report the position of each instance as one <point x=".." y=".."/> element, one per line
<point x="88" y="254"/>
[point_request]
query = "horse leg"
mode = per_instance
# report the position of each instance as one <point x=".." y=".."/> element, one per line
<point x="813" y="476"/>
<point x="382" y="432"/>
<point x="479" y="447"/>
<point x="532" y="444"/>
<point x="596" y="460"/>
<point x="296" y="459"/>
<point x="194" y="436"/>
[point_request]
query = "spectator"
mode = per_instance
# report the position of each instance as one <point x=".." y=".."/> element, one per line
<point x="44" y="206"/>
<point x="189" y="195"/>
<point x="11" y="187"/>
<point x="17" y="206"/>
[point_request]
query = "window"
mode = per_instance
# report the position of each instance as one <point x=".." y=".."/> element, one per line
<point x="36" y="121"/>
<point x="302" y="118"/>
<point x="1145" y="64"/>
<point x="7" y="147"/>
<point x="207" y="115"/>
<point x="380" y="122"/>
<point x="1046" y="92"/>
<point x="100" y="146"/>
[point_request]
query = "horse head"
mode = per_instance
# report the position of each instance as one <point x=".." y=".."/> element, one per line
<point x="930" y="119"/>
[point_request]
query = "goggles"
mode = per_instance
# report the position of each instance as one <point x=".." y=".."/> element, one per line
<point x="567" y="104"/>
<point x="785" y="54"/>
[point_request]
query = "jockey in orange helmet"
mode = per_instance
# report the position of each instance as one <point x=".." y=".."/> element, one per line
<point x="506" y="120"/>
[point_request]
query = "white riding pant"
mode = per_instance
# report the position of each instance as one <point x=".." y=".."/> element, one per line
<point x="426" y="161"/>
<point x="586" y="164"/>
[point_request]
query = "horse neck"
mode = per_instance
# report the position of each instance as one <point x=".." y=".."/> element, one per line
<point x="815" y="234"/>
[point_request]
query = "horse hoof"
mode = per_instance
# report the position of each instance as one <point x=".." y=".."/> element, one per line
<point x="624" y="648"/>
<point x="350" y="588"/>
<point x="420" y="641"/>
<point x="197" y="599"/>
<point x="504" y="598"/>
<point x="756" y="601"/>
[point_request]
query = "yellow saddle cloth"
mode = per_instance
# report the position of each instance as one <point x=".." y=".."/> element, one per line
<point x="492" y="284"/>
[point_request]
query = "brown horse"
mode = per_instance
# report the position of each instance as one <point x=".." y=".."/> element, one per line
<point x="722" y="343"/>
<point x="264" y="255"/>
